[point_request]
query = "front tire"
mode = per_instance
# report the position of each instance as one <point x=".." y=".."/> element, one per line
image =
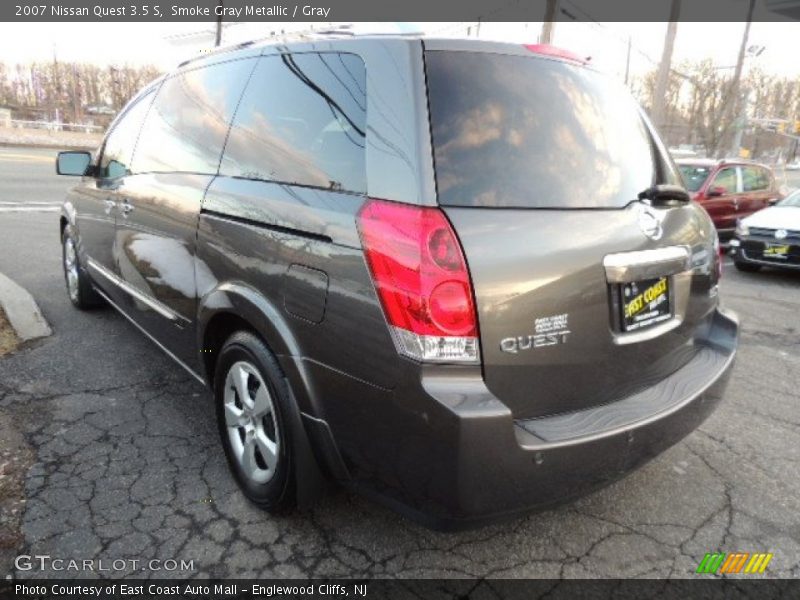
<point x="252" y="401"/>
<point x="79" y="286"/>
<point x="746" y="267"/>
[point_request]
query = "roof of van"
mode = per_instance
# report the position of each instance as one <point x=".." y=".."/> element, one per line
<point x="431" y="43"/>
<point x="713" y="162"/>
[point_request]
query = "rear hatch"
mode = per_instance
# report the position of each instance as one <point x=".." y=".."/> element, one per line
<point x="584" y="293"/>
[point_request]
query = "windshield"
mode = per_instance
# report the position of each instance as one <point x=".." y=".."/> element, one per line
<point x="694" y="176"/>
<point x="792" y="199"/>
<point x="518" y="131"/>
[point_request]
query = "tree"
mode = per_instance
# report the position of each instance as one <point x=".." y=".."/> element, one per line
<point x="696" y="98"/>
<point x="39" y="90"/>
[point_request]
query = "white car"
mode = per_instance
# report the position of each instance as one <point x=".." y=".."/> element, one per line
<point x="769" y="237"/>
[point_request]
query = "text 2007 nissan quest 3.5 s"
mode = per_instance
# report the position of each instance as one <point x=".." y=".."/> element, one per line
<point x="459" y="276"/>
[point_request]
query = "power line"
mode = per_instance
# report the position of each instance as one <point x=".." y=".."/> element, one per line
<point x="625" y="39"/>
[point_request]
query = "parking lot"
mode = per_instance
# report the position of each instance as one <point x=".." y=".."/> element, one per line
<point x="122" y="459"/>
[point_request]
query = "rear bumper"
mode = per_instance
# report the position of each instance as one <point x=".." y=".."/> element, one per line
<point x="454" y="457"/>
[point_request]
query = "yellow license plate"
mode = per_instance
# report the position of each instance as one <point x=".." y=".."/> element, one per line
<point x="645" y="303"/>
<point x="776" y="250"/>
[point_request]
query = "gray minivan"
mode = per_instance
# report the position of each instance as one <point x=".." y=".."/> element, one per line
<point x="459" y="276"/>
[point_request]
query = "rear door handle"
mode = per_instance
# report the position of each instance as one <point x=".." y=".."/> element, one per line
<point x="110" y="203"/>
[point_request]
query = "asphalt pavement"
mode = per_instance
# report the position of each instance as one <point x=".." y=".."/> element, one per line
<point x="125" y="462"/>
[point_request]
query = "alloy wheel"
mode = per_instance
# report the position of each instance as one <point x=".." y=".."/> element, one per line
<point x="71" y="268"/>
<point x="251" y="422"/>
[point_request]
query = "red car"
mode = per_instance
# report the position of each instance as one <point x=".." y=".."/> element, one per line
<point x="729" y="189"/>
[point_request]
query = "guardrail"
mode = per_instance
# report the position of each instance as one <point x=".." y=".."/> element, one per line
<point x="54" y="126"/>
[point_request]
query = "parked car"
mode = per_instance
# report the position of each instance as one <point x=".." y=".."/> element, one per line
<point x="770" y="237"/>
<point x="729" y="189"/>
<point x="459" y="276"/>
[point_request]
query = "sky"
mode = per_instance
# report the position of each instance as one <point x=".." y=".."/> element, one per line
<point x="167" y="44"/>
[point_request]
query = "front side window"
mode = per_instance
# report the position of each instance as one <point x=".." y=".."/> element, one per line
<point x="120" y="143"/>
<point x="186" y="128"/>
<point x="302" y="120"/>
<point x="726" y="180"/>
<point x="528" y="132"/>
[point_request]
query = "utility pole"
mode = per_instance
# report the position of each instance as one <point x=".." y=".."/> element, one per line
<point x="549" y="24"/>
<point x="737" y="78"/>
<point x="628" y="61"/>
<point x="662" y="78"/>
<point x="75" y="95"/>
<point x="56" y="84"/>
<point x="741" y="125"/>
<point x="218" y="39"/>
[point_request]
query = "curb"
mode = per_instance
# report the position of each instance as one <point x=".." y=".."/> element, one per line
<point x="22" y="311"/>
<point x="47" y="146"/>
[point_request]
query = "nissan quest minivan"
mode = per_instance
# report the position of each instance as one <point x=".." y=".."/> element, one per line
<point x="460" y="277"/>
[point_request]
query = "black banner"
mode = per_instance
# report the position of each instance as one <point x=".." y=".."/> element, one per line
<point x="409" y="10"/>
<point x="429" y="589"/>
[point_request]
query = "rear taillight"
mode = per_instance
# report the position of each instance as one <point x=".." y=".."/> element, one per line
<point x="422" y="281"/>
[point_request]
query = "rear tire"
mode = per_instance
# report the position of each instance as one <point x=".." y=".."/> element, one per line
<point x="253" y="404"/>
<point x="746" y="267"/>
<point x="79" y="285"/>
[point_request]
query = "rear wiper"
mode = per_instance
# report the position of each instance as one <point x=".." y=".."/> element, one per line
<point x="665" y="194"/>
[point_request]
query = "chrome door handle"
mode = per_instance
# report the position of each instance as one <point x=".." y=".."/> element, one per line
<point x="109" y="202"/>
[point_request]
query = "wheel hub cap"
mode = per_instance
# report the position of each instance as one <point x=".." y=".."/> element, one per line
<point x="251" y="423"/>
<point x="71" y="268"/>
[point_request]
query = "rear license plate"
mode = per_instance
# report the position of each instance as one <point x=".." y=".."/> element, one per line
<point x="645" y="303"/>
<point x="780" y="251"/>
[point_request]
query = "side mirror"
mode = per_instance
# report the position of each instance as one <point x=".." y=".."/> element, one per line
<point x="717" y="190"/>
<point x="73" y="163"/>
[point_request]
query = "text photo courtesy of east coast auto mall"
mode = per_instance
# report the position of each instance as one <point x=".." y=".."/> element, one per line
<point x="488" y="299"/>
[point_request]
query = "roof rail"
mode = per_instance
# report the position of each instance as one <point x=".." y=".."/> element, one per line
<point x="341" y="30"/>
<point x="216" y="51"/>
<point x="299" y="36"/>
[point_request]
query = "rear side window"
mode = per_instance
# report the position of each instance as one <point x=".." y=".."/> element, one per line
<point x="518" y="131"/>
<point x="121" y="142"/>
<point x="302" y="120"/>
<point x="186" y="128"/>
<point x="754" y="179"/>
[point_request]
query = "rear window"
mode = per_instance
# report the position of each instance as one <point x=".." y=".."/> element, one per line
<point x="517" y="131"/>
